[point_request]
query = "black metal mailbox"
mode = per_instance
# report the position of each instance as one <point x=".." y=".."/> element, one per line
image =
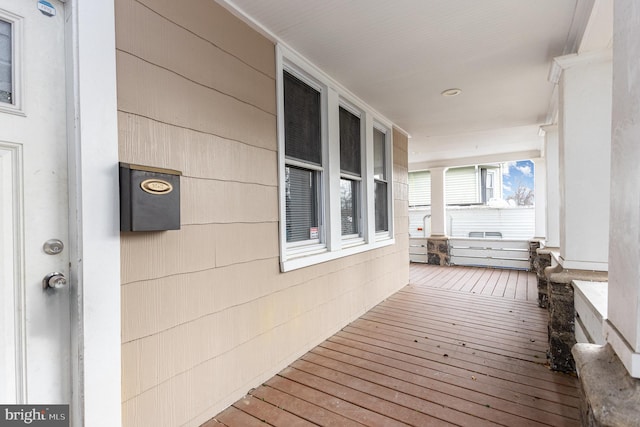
<point x="149" y="198"/>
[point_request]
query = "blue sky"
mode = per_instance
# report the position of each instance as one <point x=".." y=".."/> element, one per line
<point x="515" y="174"/>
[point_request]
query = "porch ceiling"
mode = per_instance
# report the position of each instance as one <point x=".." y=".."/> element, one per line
<point x="398" y="56"/>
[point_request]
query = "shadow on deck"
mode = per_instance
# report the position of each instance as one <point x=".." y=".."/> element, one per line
<point x="457" y="346"/>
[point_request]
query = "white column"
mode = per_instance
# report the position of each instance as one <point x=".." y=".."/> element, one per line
<point x="539" y="190"/>
<point x="552" y="166"/>
<point x="623" y="326"/>
<point x="585" y="149"/>
<point x="438" y="203"/>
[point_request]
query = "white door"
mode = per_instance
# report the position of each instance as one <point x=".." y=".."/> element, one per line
<point x="35" y="341"/>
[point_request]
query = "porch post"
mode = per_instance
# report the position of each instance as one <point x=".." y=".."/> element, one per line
<point x="584" y="159"/>
<point x="552" y="181"/>
<point x="551" y="189"/>
<point x="584" y="130"/>
<point x="438" y="242"/>
<point x="540" y="179"/>
<point x="438" y="203"/>
<point x="608" y="381"/>
<point x="622" y="329"/>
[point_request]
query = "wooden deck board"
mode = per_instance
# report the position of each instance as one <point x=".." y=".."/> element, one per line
<point x="420" y="372"/>
<point x="457" y="346"/>
<point x="256" y="406"/>
<point x="289" y="396"/>
<point x="393" y="375"/>
<point x="233" y="416"/>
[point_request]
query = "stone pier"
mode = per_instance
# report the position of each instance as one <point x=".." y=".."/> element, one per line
<point x="541" y="261"/>
<point x="438" y="251"/>
<point x="561" y="308"/>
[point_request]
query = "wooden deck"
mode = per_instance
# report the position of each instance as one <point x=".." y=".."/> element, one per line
<point x="457" y="346"/>
<point x="507" y="283"/>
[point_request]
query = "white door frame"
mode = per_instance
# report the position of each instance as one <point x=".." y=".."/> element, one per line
<point x="94" y="213"/>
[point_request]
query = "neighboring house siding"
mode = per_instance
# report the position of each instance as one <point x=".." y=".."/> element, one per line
<point x="206" y="313"/>
<point x="461" y="186"/>
<point x="420" y="188"/>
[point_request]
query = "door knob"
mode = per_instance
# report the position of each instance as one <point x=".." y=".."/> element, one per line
<point x="54" y="280"/>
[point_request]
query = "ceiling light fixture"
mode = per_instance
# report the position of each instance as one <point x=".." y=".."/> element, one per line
<point x="451" y="92"/>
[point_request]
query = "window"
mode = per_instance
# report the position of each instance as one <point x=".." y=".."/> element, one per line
<point x="487" y="181"/>
<point x="335" y="169"/>
<point x="380" y="180"/>
<point x="489" y="190"/>
<point x="350" y="173"/>
<point x="303" y="153"/>
<point x="6" y="68"/>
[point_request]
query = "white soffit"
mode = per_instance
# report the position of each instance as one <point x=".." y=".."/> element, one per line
<point x="398" y="56"/>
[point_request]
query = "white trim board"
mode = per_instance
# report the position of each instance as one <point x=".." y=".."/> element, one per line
<point x="94" y="219"/>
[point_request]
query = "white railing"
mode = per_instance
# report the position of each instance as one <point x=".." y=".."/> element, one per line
<point x="418" y="250"/>
<point x="485" y="252"/>
<point x="480" y="252"/>
<point x="485" y="236"/>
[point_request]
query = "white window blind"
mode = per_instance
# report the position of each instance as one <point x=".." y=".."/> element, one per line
<point x="301" y="204"/>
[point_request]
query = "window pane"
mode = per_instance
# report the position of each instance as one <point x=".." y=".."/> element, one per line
<point x="301" y="186"/>
<point x="6" y="82"/>
<point x="350" y="218"/>
<point x="302" y="136"/>
<point x="382" y="213"/>
<point x="379" y="155"/>
<point x="349" y="142"/>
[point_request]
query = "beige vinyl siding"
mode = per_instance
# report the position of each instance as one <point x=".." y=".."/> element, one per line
<point x="206" y="312"/>
<point x="461" y="186"/>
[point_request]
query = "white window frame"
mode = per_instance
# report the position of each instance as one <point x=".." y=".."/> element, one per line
<point x="312" y="245"/>
<point x="17" y="37"/>
<point x="388" y="146"/>
<point x="492" y="174"/>
<point x="332" y="245"/>
<point x="495" y="175"/>
<point x="358" y="238"/>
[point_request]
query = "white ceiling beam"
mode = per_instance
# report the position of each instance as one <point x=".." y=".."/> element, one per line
<point x="476" y="160"/>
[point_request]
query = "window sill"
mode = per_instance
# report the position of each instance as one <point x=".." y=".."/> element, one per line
<point x="349" y="243"/>
<point x="383" y="236"/>
<point x="306" y="260"/>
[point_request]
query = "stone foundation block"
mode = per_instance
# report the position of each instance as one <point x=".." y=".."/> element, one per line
<point x="560" y="357"/>
<point x="541" y="261"/>
<point x="561" y="308"/>
<point x="534" y="245"/>
<point x="438" y="251"/>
